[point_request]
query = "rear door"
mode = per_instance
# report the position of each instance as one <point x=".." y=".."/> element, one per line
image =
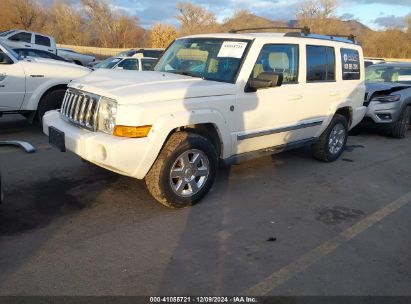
<point x="321" y="89"/>
<point x="43" y="43"/>
<point x="12" y="83"/>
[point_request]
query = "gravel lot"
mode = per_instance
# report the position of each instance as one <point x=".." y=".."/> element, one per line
<point x="280" y="225"/>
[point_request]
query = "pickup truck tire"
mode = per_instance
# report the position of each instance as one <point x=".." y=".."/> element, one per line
<point x="184" y="171"/>
<point x="50" y="101"/>
<point x="332" y="141"/>
<point x="400" y="127"/>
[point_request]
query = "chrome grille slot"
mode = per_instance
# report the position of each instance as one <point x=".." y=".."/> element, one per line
<point x="80" y="108"/>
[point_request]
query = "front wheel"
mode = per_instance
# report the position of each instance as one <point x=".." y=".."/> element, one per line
<point x="184" y="171"/>
<point x="400" y="127"/>
<point x="332" y="141"/>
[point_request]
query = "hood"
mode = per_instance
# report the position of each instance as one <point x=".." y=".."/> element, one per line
<point x="55" y="63"/>
<point x="131" y="87"/>
<point x="383" y="88"/>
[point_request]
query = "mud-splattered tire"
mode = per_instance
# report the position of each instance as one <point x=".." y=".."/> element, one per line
<point x="52" y="100"/>
<point x="184" y="171"/>
<point x="332" y="141"/>
<point x="400" y="127"/>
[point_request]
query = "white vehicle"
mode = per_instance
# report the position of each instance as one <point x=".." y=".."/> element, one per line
<point x="25" y="39"/>
<point x="214" y="98"/>
<point x="77" y="58"/>
<point x="135" y="63"/>
<point x="33" y="86"/>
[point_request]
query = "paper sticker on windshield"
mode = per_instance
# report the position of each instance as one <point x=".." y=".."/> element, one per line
<point x="232" y="49"/>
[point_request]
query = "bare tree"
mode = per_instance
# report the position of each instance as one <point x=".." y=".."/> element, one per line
<point x="195" y="19"/>
<point x="162" y="35"/>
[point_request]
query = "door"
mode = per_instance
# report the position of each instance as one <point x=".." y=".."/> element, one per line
<point x="20" y="39"/>
<point x="43" y="43"/>
<point x="272" y="116"/>
<point x="12" y="83"/>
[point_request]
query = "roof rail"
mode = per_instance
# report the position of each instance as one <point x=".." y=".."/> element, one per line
<point x="336" y="37"/>
<point x="304" y="30"/>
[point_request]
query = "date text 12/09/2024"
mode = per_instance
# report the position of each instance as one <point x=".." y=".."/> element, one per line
<point x="201" y="299"/>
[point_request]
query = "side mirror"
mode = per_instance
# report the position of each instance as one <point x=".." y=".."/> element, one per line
<point x="266" y="80"/>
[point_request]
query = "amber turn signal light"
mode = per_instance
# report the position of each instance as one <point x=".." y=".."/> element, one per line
<point x="132" y="132"/>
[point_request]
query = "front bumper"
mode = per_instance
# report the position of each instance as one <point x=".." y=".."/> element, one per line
<point x="383" y="112"/>
<point x="126" y="156"/>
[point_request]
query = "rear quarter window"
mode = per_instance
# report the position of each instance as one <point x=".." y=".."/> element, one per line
<point x="350" y="61"/>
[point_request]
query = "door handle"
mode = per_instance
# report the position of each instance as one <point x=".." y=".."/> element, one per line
<point x="295" y="97"/>
<point x="27" y="45"/>
<point x="2" y="76"/>
<point x="334" y="93"/>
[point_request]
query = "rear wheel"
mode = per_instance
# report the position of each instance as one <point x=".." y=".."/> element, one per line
<point x="52" y="100"/>
<point x="184" y="171"/>
<point x="400" y="127"/>
<point x="332" y="141"/>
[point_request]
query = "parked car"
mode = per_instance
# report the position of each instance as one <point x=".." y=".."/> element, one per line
<point x="39" y="54"/>
<point x="152" y="53"/>
<point x="33" y="86"/>
<point x="77" y="58"/>
<point x="370" y="61"/>
<point x="388" y="97"/>
<point x="27" y="39"/>
<point x="127" y="63"/>
<point x="214" y="98"/>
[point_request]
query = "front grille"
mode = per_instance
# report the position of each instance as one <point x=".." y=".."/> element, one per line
<point x="80" y="108"/>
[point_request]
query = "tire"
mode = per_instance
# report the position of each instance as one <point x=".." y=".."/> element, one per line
<point x="180" y="149"/>
<point x="325" y="149"/>
<point x="400" y="127"/>
<point x="52" y="100"/>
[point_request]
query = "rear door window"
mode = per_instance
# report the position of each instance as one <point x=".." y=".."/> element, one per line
<point x="320" y="63"/>
<point x="42" y="40"/>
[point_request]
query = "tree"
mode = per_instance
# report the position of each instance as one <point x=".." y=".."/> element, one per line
<point x="162" y="35"/>
<point x="195" y="19"/>
<point x="318" y="15"/>
<point x="67" y="24"/>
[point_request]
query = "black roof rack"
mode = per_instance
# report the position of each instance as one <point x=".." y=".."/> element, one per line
<point x="305" y="30"/>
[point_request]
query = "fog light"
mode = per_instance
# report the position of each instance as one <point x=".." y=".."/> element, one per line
<point x="133" y="132"/>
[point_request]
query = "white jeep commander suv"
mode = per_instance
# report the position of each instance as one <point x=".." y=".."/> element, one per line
<point x="215" y="98"/>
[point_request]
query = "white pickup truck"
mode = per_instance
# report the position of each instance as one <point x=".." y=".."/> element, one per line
<point x="33" y="86"/>
<point x="215" y="98"/>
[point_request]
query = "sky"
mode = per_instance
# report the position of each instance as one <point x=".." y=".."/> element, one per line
<point x="376" y="14"/>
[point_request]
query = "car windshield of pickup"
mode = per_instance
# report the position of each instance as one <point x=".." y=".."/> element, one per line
<point x="207" y="58"/>
<point x="391" y="73"/>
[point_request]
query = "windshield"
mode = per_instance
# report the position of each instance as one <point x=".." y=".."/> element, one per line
<point x="207" y="58"/>
<point x="2" y="34"/>
<point x="10" y="51"/>
<point x="376" y="73"/>
<point x="108" y="63"/>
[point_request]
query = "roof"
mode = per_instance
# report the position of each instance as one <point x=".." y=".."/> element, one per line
<point x="252" y="36"/>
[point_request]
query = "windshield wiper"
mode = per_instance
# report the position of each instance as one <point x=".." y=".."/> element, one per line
<point x="186" y="73"/>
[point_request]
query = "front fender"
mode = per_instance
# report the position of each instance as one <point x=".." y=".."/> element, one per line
<point x="165" y="124"/>
<point x="32" y="99"/>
